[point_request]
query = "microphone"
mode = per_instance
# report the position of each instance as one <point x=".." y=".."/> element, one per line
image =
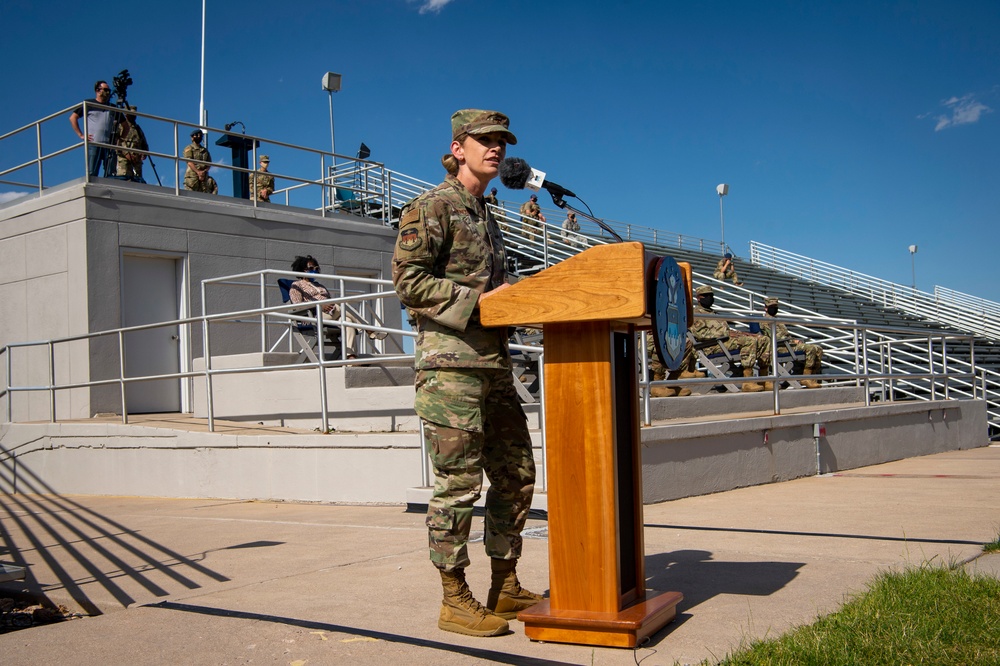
<point x="515" y="174"/>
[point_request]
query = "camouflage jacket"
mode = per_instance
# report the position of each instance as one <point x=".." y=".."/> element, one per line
<point x="449" y="250"/>
<point x="780" y="330"/>
<point x="133" y="138"/>
<point x="707" y="329"/>
<point x="261" y="180"/>
<point x="530" y="209"/>
<point x="195" y="152"/>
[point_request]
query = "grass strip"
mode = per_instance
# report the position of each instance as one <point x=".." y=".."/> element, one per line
<point x="923" y="615"/>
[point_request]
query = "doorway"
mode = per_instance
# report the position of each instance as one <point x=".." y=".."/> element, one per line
<point x="151" y="289"/>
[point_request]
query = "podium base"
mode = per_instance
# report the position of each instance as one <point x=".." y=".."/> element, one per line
<point x="626" y="628"/>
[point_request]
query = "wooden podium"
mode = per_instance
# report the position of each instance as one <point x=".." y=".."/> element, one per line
<point x="590" y="306"/>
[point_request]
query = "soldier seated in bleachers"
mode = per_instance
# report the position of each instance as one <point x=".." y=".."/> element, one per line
<point x="813" y="353"/>
<point x="754" y="349"/>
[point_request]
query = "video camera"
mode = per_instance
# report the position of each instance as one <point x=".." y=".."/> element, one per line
<point x="121" y="83"/>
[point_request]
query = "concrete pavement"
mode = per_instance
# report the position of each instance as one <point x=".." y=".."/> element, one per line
<point x="217" y="582"/>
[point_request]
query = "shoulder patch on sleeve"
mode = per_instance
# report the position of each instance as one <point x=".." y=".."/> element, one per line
<point x="412" y="239"/>
<point x="409" y="217"/>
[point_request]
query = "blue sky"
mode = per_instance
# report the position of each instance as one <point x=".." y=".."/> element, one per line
<point x="846" y="131"/>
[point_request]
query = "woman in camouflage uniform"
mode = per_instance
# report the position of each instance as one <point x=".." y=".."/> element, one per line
<point x="449" y="255"/>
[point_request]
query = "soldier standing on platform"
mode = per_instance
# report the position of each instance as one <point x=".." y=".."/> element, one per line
<point x="261" y="182"/>
<point x="196" y="177"/>
<point x="449" y="255"/>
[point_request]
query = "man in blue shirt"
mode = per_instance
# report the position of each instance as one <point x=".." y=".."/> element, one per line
<point x="100" y="123"/>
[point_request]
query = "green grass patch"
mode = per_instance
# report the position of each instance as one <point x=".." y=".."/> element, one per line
<point x="992" y="546"/>
<point x="924" y="615"/>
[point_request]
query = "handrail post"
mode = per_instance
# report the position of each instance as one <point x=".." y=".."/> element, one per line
<point x="10" y="379"/>
<point x="263" y="317"/>
<point x="52" y="382"/>
<point x="177" y="163"/>
<point x="425" y="476"/>
<point x="320" y="335"/>
<point x="930" y="362"/>
<point x="207" y="351"/>
<point x="864" y="362"/>
<point x="944" y="367"/>
<point x="38" y="136"/>
<point x="774" y="367"/>
<point x="86" y="145"/>
<point x="121" y="375"/>
<point x="322" y="189"/>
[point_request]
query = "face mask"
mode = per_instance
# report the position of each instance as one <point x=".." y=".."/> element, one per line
<point x="707" y="301"/>
<point x="312" y="270"/>
<point x="772" y="310"/>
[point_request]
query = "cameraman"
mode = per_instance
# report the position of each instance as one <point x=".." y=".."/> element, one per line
<point x="100" y="124"/>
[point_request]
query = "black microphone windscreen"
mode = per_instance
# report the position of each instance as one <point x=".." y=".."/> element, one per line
<point x="514" y="173"/>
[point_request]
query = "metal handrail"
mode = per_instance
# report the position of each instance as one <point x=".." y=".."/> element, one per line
<point x="883" y="292"/>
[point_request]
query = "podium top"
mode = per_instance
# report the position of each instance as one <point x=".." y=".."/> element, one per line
<point x="605" y="282"/>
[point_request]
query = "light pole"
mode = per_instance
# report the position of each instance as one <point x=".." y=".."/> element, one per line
<point x="723" y="190"/>
<point x="913" y="265"/>
<point x="331" y="84"/>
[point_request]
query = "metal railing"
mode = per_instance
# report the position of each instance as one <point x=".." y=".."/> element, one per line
<point x="949" y="312"/>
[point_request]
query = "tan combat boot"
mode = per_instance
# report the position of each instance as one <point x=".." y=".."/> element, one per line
<point x="810" y="383"/>
<point x="768" y="386"/>
<point x="668" y="391"/>
<point x="461" y="613"/>
<point x="691" y="374"/>
<point x="507" y="597"/>
<point x="750" y="387"/>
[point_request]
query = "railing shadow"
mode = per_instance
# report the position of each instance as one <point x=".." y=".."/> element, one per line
<point x="51" y="534"/>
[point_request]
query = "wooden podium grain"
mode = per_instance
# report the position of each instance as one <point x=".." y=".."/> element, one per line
<point x="589" y="307"/>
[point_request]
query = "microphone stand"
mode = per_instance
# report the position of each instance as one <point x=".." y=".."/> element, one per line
<point x="558" y="200"/>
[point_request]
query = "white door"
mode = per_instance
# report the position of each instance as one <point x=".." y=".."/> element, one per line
<point x="150" y="294"/>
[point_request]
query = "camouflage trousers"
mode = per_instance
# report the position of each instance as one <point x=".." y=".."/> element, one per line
<point x="473" y="422"/>
<point x="813" y="353"/>
<point x="658" y="370"/>
<point x="130" y="170"/>
<point x="193" y="183"/>
<point x="754" y="350"/>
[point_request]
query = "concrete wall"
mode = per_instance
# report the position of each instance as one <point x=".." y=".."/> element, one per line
<point x="43" y="278"/>
<point x="705" y="457"/>
<point x="67" y="245"/>
<point x="677" y="460"/>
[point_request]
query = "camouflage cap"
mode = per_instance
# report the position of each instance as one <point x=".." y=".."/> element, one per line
<point x="477" y="121"/>
<point x="265" y="158"/>
<point x="704" y="289"/>
<point x="771" y="300"/>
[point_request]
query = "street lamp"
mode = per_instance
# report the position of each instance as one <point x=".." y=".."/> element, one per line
<point x="331" y="84"/>
<point x="913" y="265"/>
<point x="723" y="190"/>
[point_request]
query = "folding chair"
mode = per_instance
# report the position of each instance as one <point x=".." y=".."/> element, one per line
<point x="306" y="334"/>
<point x="721" y="365"/>
<point x="790" y="362"/>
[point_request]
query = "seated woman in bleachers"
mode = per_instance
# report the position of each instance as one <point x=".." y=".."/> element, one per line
<point x="305" y="290"/>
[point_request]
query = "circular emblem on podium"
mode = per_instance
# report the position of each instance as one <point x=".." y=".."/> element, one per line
<point x="670" y="311"/>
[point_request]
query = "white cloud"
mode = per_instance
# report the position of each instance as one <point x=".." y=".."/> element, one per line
<point x="432" y="6"/>
<point x="962" y="110"/>
<point x="10" y="196"/>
